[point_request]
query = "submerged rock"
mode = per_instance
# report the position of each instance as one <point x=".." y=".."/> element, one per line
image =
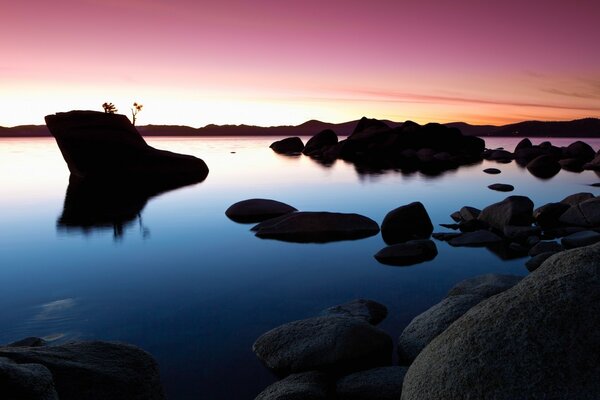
<point x="289" y="145"/>
<point x="539" y="339"/>
<point x="408" y="253"/>
<point x="367" y="310"/>
<point x="328" y="343"/>
<point x="317" y="227"/>
<point x="383" y="383"/>
<point x="257" y="210"/>
<point x="405" y="223"/>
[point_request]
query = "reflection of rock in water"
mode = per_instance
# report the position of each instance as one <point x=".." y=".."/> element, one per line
<point x="101" y="204"/>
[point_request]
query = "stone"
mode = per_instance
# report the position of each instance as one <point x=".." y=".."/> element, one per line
<point x="553" y="233"/>
<point x="548" y="215"/>
<point x="25" y="381"/>
<point x="525" y="143"/>
<point x="320" y="140"/>
<point x="469" y="213"/>
<point x="593" y="165"/>
<point x="445" y="236"/>
<point x="534" y="262"/>
<point x="367" y="310"/>
<point x="580" y="239"/>
<point x="257" y="210"/>
<point x="574" y="199"/>
<point x="95" y="370"/>
<point x="311" y="385"/>
<point x="580" y="150"/>
<point x="328" y="343"/>
<point x="456" y="217"/>
<point x="586" y="214"/>
<point x="538" y="339"/>
<point x="500" y="155"/>
<point x="501" y="187"/>
<point x="369" y="124"/>
<point x="474" y="239"/>
<point x="521" y="232"/>
<point x="472" y="225"/>
<point x="544" y="167"/>
<point x="289" y="145"/>
<point x="572" y="164"/>
<point x="408" y="253"/>
<point x="405" y="223"/>
<point x="31" y="341"/>
<point x="492" y="171"/>
<point x="514" y="210"/>
<point x="383" y="383"/>
<point x="97" y="145"/>
<point x="461" y="298"/>
<point x="545" y="246"/>
<point x="317" y="227"/>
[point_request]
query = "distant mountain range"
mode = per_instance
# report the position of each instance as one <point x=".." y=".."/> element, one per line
<point x="586" y="127"/>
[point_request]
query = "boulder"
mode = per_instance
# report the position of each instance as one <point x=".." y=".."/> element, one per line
<point x="405" y="223"/>
<point x="534" y="262"/>
<point x="367" y="310"/>
<point x="521" y="232"/>
<point x="31" y="341"/>
<point x="593" y="165"/>
<point x="289" y="145"/>
<point x="574" y="199"/>
<point x="580" y="239"/>
<point x="369" y="124"/>
<point x="319" y="141"/>
<point x="580" y="150"/>
<point x="586" y="214"/>
<point x="408" y="253"/>
<point x="525" y="143"/>
<point x="328" y="343"/>
<point x="469" y="213"/>
<point x="548" y="215"/>
<point x="95" y="370"/>
<point x="572" y="164"/>
<point x="98" y="145"/>
<point x="445" y="236"/>
<point x="545" y="166"/>
<point x="539" y="339"/>
<point x="317" y="227"/>
<point x="492" y="171"/>
<point x="461" y="298"/>
<point x="544" y="247"/>
<point x="481" y="237"/>
<point x="514" y="210"/>
<point x="501" y="187"/>
<point x="311" y="385"/>
<point x="383" y="383"/>
<point x="257" y="210"/>
<point x="25" y="381"/>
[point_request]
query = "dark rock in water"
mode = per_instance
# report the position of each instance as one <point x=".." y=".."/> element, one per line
<point x="456" y="217"/>
<point x="521" y="232"/>
<point x="368" y="310"/>
<point x="580" y="150"/>
<point x="257" y="210"/>
<point x="514" y="210"/>
<point x="472" y="225"/>
<point x="549" y="214"/>
<point x="475" y="239"/>
<point x="571" y="164"/>
<point x="544" y="247"/>
<point x="94" y="370"/>
<point x="469" y="213"/>
<point x="492" y="171"/>
<point x="580" y="239"/>
<point x="330" y="343"/>
<point x="405" y="223"/>
<point x="557" y="232"/>
<point x="586" y="214"/>
<point x="574" y="199"/>
<point x="369" y="124"/>
<point x="451" y="226"/>
<point x="501" y="187"/>
<point x="408" y="253"/>
<point x="289" y="145"/>
<point x="461" y="298"/>
<point x="317" y="227"/>
<point x="597" y="184"/>
<point x="98" y="145"/>
<point x="544" y="166"/>
<point x="593" y="165"/>
<point x="445" y="236"/>
<point x="26" y="381"/>
<point x="547" y="325"/>
<point x="311" y="385"/>
<point x="320" y="140"/>
<point x="31" y="341"/>
<point x="383" y="383"/>
<point x="534" y="262"/>
<point x="523" y="144"/>
<point x="500" y="155"/>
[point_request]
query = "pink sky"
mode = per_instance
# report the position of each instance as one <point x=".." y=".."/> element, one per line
<point x="272" y="62"/>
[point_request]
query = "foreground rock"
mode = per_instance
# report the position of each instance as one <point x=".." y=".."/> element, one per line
<point x="585" y="213"/>
<point x="409" y="253"/>
<point x="539" y="339"/>
<point x="328" y="343"/>
<point x="383" y="383"/>
<point x="304" y="386"/>
<point x="405" y="223"/>
<point x="317" y="143"/>
<point x="317" y="227"/>
<point x="367" y="310"/>
<point x="257" y="210"/>
<point x="26" y="381"/>
<point x="289" y="145"/>
<point x="536" y="261"/>
<point x="580" y="239"/>
<point x="98" y="145"/>
<point x="514" y="210"/>
<point x="90" y="370"/>
<point x="461" y="298"/>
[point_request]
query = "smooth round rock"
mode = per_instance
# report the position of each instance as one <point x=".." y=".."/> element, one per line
<point x="501" y="187"/>
<point x="383" y="383"/>
<point x="257" y="210"/>
<point x="304" y="386"/>
<point x="492" y="171"/>
<point x="407" y="222"/>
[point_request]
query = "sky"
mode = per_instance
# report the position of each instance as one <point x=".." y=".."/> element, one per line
<point x="278" y="62"/>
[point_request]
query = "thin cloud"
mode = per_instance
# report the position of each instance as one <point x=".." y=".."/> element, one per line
<point x="577" y="95"/>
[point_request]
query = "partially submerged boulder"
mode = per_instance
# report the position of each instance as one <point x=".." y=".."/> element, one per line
<point x="475" y="239"/>
<point x="585" y="213"/>
<point x="501" y="187"/>
<point x="291" y="145"/>
<point x="544" y="166"/>
<point x="257" y="210"/>
<point x="319" y="141"/>
<point x="514" y="210"/>
<point x="407" y="222"/>
<point x="367" y="310"/>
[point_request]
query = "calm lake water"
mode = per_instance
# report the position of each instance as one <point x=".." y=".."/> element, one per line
<point x="196" y="289"/>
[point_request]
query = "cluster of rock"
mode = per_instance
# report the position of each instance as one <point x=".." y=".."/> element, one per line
<point x="339" y="354"/>
<point x="32" y="370"/>
<point x="546" y="160"/>
<point x="513" y="228"/>
<point x="374" y="146"/>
